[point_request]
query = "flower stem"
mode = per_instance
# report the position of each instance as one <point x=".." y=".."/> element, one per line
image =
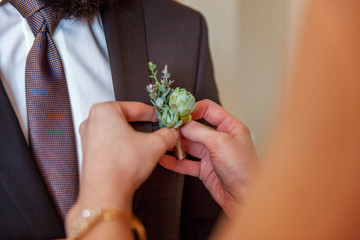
<point x="179" y="150"/>
<point x="152" y="71"/>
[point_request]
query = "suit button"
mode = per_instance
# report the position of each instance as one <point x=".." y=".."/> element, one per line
<point x="2" y="2"/>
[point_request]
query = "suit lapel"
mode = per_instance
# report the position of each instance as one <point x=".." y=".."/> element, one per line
<point x="125" y="34"/>
<point x="20" y="178"/>
<point x="126" y="41"/>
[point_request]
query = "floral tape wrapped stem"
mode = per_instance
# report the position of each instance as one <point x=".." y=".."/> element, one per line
<point x="173" y="107"/>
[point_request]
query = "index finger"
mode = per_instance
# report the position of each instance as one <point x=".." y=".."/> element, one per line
<point x="137" y="111"/>
<point x="215" y="115"/>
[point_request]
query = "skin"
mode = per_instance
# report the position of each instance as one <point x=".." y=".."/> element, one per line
<point x="227" y="153"/>
<point x="309" y="185"/>
<point x="107" y="137"/>
<point x="114" y="164"/>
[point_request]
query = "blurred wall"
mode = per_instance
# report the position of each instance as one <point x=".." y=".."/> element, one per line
<point x="248" y="40"/>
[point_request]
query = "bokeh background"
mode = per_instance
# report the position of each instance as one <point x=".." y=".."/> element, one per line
<point x="252" y="44"/>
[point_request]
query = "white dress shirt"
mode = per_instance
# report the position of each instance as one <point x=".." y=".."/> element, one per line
<point x="82" y="48"/>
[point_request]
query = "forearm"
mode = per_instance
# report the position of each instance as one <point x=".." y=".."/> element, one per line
<point x="309" y="187"/>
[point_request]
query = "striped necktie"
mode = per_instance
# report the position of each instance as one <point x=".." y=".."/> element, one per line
<point x="51" y="130"/>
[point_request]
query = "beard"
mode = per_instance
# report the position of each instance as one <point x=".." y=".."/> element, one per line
<point x="76" y="9"/>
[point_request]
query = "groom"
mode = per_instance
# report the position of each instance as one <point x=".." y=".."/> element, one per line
<point x="104" y="46"/>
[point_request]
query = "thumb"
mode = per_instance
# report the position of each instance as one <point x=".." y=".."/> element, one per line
<point x="164" y="139"/>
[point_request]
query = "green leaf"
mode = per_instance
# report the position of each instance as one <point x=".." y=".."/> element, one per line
<point x="152" y="67"/>
<point x="159" y="102"/>
<point x="167" y="92"/>
<point x="158" y="115"/>
<point x="178" y="124"/>
<point x="172" y="99"/>
<point x="173" y="107"/>
<point x="152" y="96"/>
<point x="191" y="101"/>
<point x="162" y="89"/>
<point x="176" y="91"/>
<point x="181" y="103"/>
<point x="181" y="95"/>
<point x="194" y="107"/>
<point x="166" y="76"/>
<point x="185" y="112"/>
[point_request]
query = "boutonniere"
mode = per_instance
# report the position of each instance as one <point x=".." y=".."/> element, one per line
<point x="173" y="107"/>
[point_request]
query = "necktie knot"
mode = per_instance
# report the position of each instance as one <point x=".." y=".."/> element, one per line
<point x="39" y="17"/>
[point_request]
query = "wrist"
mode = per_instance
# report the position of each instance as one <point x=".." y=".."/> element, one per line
<point x="120" y="200"/>
<point x="96" y="222"/>
<point x="107" y="190"/>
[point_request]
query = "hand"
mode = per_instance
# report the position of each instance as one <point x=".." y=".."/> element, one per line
<point x="118" y="159"/>
<point x="227" y="154"/>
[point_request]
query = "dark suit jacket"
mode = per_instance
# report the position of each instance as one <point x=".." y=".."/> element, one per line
<point x="170" y="205"/>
